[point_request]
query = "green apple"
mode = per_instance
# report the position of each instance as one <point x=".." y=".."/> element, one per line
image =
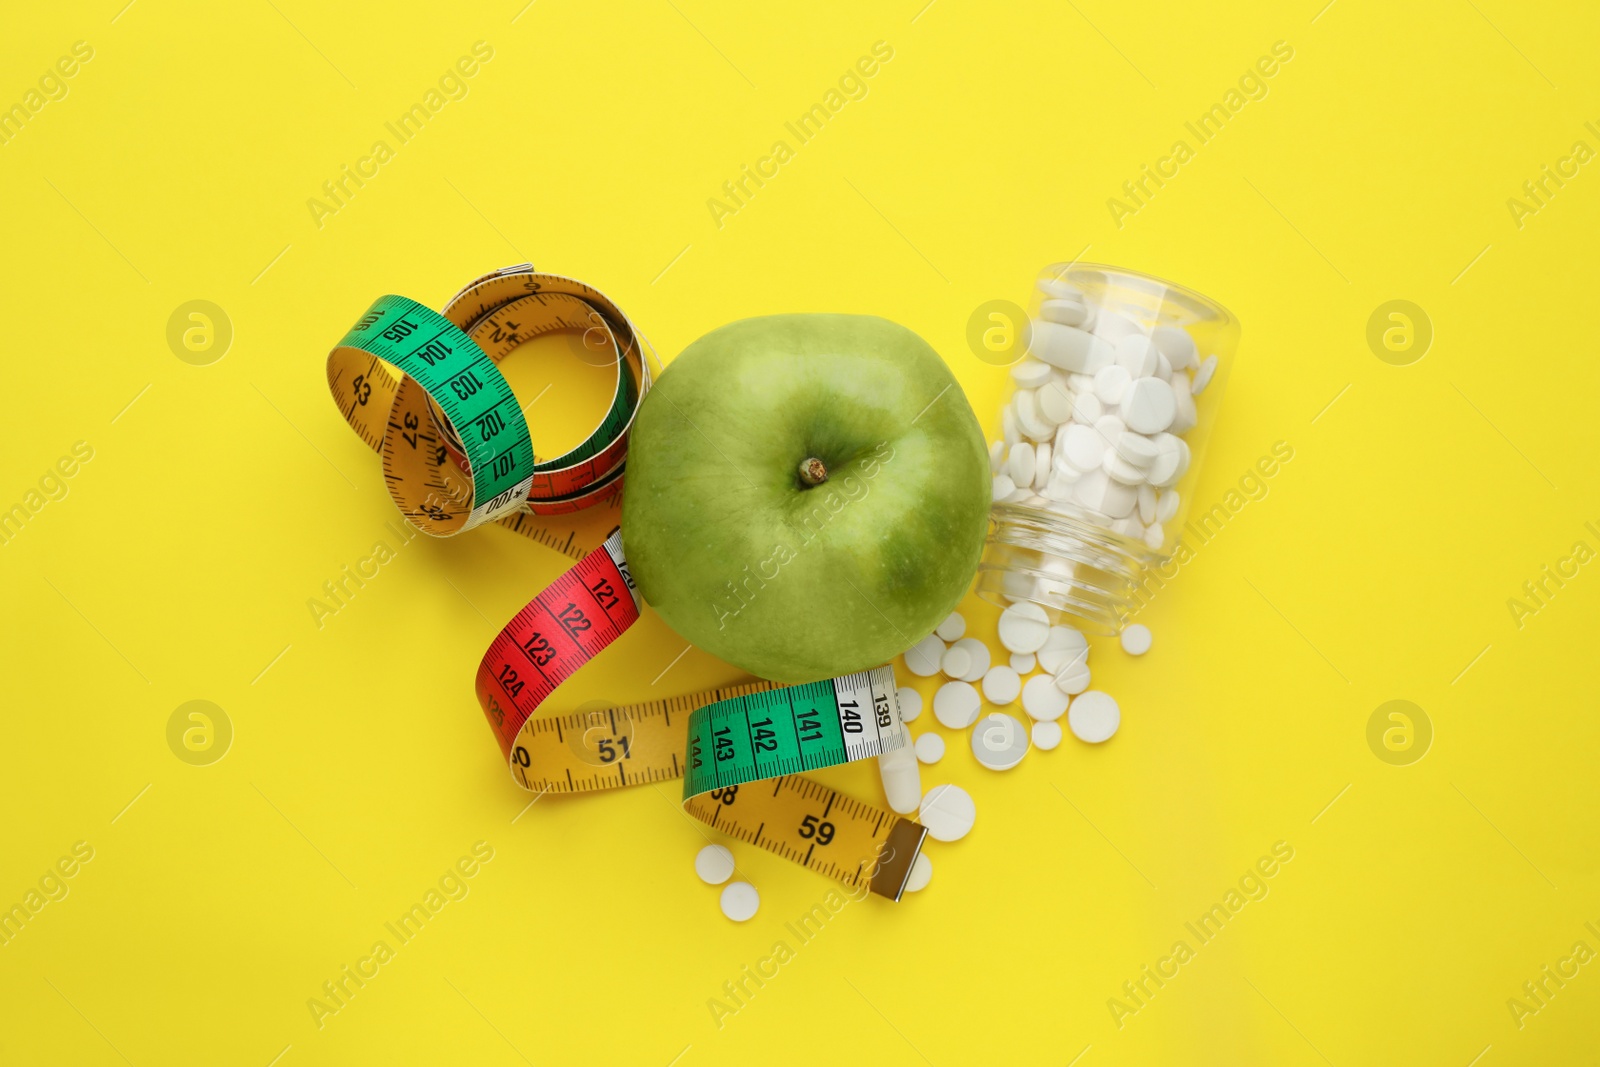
<point x="806" y="495"/>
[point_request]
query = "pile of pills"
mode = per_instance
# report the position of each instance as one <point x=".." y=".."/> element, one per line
<point x="1099" y="415"/>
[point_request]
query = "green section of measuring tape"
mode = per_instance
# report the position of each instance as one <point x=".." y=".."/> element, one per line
<point x="616" y="418"/>
<point x="462" y="380"/>
<point x="791" y="730"/>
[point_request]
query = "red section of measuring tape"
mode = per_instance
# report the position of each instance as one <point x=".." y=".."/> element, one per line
<point x="559" y="631"/>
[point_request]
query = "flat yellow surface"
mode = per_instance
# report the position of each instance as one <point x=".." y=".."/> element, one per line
<point x="177" y="562"/>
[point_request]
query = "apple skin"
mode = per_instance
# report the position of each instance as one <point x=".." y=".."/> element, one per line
<point x="791" y="582"/>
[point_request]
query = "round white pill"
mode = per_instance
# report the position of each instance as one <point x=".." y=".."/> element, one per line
<point x="1185" y="418"/>
<point x="929" y="748"/>
<point x="1120" y="470"/>
<point x="1175" y="343"/>
<point x="957" y="661"/>
<point x="1136" y="639"/>
<point x="714" y="864"/>
<point x="1155" y="535"/>
<point x="999" y="741"/>
<point x="979" y="653"/>
<point x="1042" y="700"/>
<point x="1086" y="408"/>
<point x="1001" y="685"/>
<point x="924" y="657"/>
<point x="1136" y="354"/>
<point x="1063" y="646"/>
<point x="1022" y="662"/>
<point x="1147" y="504"/>
<point x="1148" y="406"/>
<point x="1098" y="491"/>
<point x="956" y="705"/>
<point x="1109" y="427"/>
<point x="1041" y="464"/>
<point x="1033" y="424"/>
<point x="1066" y="312"/>
<point x="740" y="901"/>
<point x="910" y="702"/>
<point x="1094" y="717"/>
<point x="1172" y="459"/>
<point x="1202" y="377"/>
<point x="1055" y="402"/>
<point x="1046" y="735"/>
<point x="1110" y="383"/>
<point x="1020" y="464"/>
<point x="1073" y="677"/>
<point x="948" y="812"/>
<point x="1003" y="486"/>
<point x="1030" y="373"/>
<point x="1136" y="448"/>
<point x="921" y="873"/>
<point x="1167" y="505"/>
<point x="953" y="627"/>
<point x="1024" y="628"/>
<point x="1079" y="447"/>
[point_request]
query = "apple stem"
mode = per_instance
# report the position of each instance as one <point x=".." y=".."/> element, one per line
<point x="812" y="472"/>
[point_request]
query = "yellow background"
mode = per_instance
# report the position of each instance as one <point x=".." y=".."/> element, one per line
<point x="1378" y="567"/>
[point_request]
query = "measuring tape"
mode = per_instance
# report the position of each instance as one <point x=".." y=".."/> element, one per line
<point x="423" y="389"/>
<point x="739" y="749"/>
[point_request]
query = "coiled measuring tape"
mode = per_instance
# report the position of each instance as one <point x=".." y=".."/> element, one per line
<point x="423" y="389"/>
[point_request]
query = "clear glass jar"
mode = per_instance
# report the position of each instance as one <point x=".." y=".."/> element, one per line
<point x="1121" y="382"/>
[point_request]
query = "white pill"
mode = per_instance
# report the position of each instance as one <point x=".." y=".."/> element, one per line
<point x="1069" y="348"/>
<point x="1121" y="470"/>
<point x="957" y="661"/>
<point x="1097" y="492"/>
<point x="999" y="741"/>
<point x="1064" y="645"/>
<point x="924" y="658"/>
<point x="1172" y="460"/>
<point x="1032" y="423"/>
<point x="1163" y="367"/>
<point x="1042" y="700"/>
<point x="980" y="658"/>
<point x="997" y="455"/>
<point x="1114" y="327"/>
<point x="1041" y="464"/>
<point x="1128" y="527"/>
<point x="920" y="875"/>
<point x="1136" y="354"/>
<point x="953" y="627"/>
<point x="1186" y="416"/>
<point x="1110" y="383"/>
<point x="1055" y="402"/>
<point x="1167" y="505"/>
<point x="1155" y="536"/>
<point x="1136" y="639"/>
<point x="1202" y="377"/>
<point x="930" y="748"/>
<point x="1024" y="628"/>
<point x="714" y="864"/>
<point x="1136" y="448"/>
<point x="1030" y="373"/>
<point x="956" y="705"/>
<point x="1073" y="677"/>
<point x="902" y="779"/>
<point x="1020" y="464"/>
<point x="1175" y="343"/>
<point x="1022" y="662"/>
<point x="740" y="901"/>
<point x="1110" y="427"/>
<point x="1001" y="685"/>
<point x="1086" y="408"/>
<point x="910" y="703"/>
<point x="1094" y="717"/>
<point x="1066" y="312"/>
<point x="1046" y="735"/>
<point x="1148" y="406"/>
<point x="1079" y="447"/>
<point x="1147" y="504"/>
<point x="948" y="813"/>
<point x="1059" y="487"/>
<point x="1002" y="486"/>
